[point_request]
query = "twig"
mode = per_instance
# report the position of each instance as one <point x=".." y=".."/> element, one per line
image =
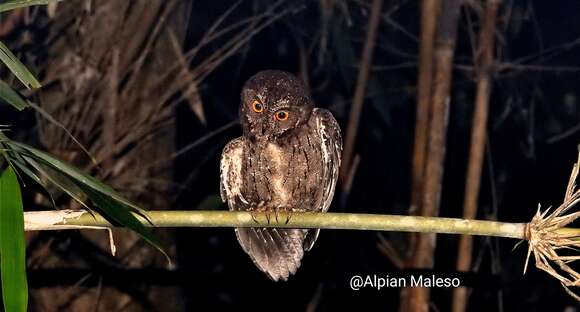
<point x="563" y="135"/>
<point x="499" y="67"/>
<point x="478" y="138"/>
<point x="193" y="145"/>
<point x="188" y="81"/>
<point x="359" y="93"/>
<point x="390" y="252"/>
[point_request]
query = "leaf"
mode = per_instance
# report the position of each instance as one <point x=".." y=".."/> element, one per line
<point x="15" y="4"/>
<point x="11" y="97"/>
<point x="17" y="68"/>
<point x="75" y="174"/>
<point x="18" y="162"/>
<point x="12" y="247"/>
<point x="120" y="213"/>
<point x="112" y="205"/>
<point x="58" y="180"/>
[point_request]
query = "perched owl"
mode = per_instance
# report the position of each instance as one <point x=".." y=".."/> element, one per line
<point x="287" y="160"/>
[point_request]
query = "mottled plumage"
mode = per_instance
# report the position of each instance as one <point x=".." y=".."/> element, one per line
<point x="287" y="159"/>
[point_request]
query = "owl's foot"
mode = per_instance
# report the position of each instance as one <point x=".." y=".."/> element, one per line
<point x="258" y="208"/>
<point x="253" y="214"/>
<point x="270" y="213"/>
<point x="288" y="216"/>
<point x="287" y="213"/>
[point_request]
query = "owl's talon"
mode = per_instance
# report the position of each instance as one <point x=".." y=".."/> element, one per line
<point x="253" y="214"/>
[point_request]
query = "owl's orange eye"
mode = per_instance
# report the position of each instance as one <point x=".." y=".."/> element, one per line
<point x="281" y="115"/>
<point x="257" y="106"/>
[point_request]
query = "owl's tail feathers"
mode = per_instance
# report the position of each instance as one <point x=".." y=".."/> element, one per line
<point x="277" y="252"/>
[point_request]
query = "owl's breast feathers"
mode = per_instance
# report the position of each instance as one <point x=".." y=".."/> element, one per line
<point x="298" y="173"/>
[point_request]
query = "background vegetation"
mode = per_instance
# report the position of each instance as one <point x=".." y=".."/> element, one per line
<point x="151" y="89"/>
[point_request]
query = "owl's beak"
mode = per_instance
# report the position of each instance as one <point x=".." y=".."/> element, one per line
<point x="257" y="131"/>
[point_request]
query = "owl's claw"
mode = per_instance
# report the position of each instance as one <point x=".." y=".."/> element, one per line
<point x="287" y="212"/>
<point x="255" y="210"/>
<point x="268" y="211"/>
<point x="253" y="214"/>
<point x="284" y="210"/>
<point x="275" y="211"/>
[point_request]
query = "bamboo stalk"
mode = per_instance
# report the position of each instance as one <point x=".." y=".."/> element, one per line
<point x="429" y="10"/>
<point x="417" y="299"/>
<point x="484" y="61"/>
<point x="429" y="13"/>
<point x="75" y="219"/>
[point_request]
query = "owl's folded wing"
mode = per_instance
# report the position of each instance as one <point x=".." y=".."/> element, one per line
<point x="231" y="172"/>
<point x="329" y="132"/>
<point x="331" y="147"/>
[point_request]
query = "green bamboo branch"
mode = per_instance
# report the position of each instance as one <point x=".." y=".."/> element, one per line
<point x="67" y="219"/>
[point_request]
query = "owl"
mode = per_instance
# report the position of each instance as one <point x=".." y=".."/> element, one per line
<point x="287" y="160"/>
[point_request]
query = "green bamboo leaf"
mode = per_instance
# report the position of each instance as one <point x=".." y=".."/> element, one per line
<point x="112" y="204"/>
<point x="15" y="4"/>
<point x="11" y="97"/>
<point x="17" y="68"/>
<point x="22" y="166"/>
<point x="12" y="246"/>
<point x="75" y="174"/>
<point x="19" y="163"/>
<point x="121" y="214"/>
<point x="59" y="181"/>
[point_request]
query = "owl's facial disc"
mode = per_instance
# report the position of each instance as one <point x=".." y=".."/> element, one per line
<point x="270" y="123"/>
<point x="273" y="104"/>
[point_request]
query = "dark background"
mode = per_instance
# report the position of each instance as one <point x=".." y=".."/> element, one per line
<point x="524" y="164"/>
<point x="522" y="169"/>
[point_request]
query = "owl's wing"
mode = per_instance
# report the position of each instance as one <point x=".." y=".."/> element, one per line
<point x="231" y="173"/>
<point x="331" y="146"/>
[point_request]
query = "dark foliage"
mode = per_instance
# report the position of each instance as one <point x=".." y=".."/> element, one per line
<point x="534" y="101"/>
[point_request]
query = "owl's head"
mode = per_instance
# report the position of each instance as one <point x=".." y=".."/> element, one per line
<point x="274" y="103"/>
